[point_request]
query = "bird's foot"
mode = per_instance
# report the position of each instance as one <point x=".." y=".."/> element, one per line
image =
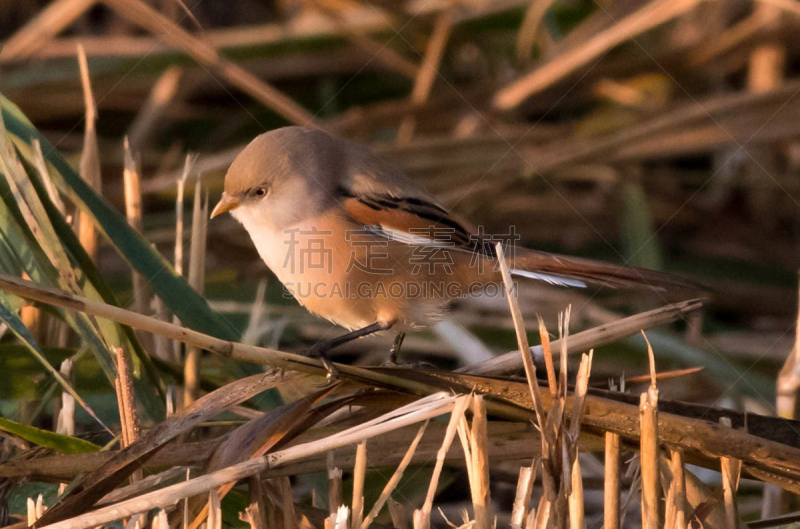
<point x="320" y="350"/>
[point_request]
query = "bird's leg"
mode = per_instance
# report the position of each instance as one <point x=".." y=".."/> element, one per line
<point x="395" y="350"/>
<point x="321" y="348"/>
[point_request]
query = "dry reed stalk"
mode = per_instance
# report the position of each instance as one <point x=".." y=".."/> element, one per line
<point x="767" y="61"/>
<point x="762" y="463"/>
<point x="128" y="417"/>
<point x="339" y="519"/>
<point x="420" y="410"/>
<point x="359" y="474"/>
<point x="158" y="101"/>
<point x="65" y="424"/>
<point x="646" y="17"/>
<point x="161" y="521"/>
<point x="214" y="510"/>
<point x="334" y="487"/>
<point x="35" y="509"/>
<point x="579" y="343"/>
<point x="179" y="225"/>
<point x="611" y="485"/>
<point x="648" y="406"/>
<point x="187" y="171"/>
<point x="90" y="158"/>
<point x="526" y="36"/>
<point x="731" y="469"/>
<point x="197" y="257"/>
<point x="787" y="406"/>
<point x="162" y="348"/>
<point x="576" y="509"/>
<point x="38" y="32"/>
<point x="675" y="515"/>
<point x="148" y="483"/>
<point x="386" y="493"/>
<point x="148" y="18"/>
<point x="544" y="336"/>
<point x="126" y="401"/>
<point x="522" y="499"/>
<point x="287" y="504"/>
<point x="427" y="72"/>
<point x="522" y="337"/>
<point x="479" y="452"/>
<point x="787" y="401"/>
<point x="133" y="211"/>
<point x="256" y="513"/>
<point x="422" y="517"/>
<point x="530" y="520"/>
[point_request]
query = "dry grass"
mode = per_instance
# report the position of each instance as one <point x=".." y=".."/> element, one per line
<point x="582" y="123"/>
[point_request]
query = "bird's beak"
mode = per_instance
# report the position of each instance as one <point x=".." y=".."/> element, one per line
<point x="226" y="203"/>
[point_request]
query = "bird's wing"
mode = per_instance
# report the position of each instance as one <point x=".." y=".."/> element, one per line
<point x="413" y="221"/>
<point x="382" y="197"/>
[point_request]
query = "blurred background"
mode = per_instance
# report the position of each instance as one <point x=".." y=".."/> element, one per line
<point x="662" y="134"/>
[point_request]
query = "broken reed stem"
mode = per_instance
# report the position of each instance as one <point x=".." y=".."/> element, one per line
<point x="576" y="509"/>
<point x="128" y="417"/>
<point x="422" y="517"/>
<point x="359" y="474"/>
<point x="731" y="469"/>
<point x="479" y="451"/>
<point x="197" y="256"/>
<point x="187" y="170"/>
<point x="133" y="212"/>
<point x="89" y="165"/>
<point x="522" y="500"/>
<point x="334" y="487"/>
<point x="256" y="513"/>
<point x="787" y="406"/>
<point x="676" y="504"/>
<point x="544" y="337"/>
<point x="126" y="401"/>
<point x="386" y="493"/>
<point x="648" y="413"/>
<point x="426" y="74"/>
<point x="287" y="504"/>
<point x="611" y="482"/>
<point x="178" y="258"/>
<point x="522" y="337"/>
<point x="214" y="510"/>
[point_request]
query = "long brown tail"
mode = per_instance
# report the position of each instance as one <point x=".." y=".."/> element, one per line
<point x="553" y="267"/>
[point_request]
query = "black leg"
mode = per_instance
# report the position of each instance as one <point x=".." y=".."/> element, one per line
<point x="321" y="348"/>
<point x="395" y="350"/>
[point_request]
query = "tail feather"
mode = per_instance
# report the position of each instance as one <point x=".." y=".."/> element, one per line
<point x="566" y="270"/>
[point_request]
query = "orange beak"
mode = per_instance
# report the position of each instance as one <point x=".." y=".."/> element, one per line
<point x="226" y="203"/>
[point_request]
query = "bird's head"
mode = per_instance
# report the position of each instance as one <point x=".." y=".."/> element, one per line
<point x="280" y="178"/>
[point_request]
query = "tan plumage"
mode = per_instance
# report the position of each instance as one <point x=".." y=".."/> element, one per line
<point x="293" y="188"/>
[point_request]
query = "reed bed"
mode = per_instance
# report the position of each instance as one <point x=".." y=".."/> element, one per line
<point x="153" y="372"/>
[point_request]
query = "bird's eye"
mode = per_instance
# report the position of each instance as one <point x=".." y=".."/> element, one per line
<point x="260" y="192"/>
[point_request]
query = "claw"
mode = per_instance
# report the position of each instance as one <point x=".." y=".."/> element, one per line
<point x="320" y="350"/>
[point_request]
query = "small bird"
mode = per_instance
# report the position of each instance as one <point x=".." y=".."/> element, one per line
<point x="357" y="243"/>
